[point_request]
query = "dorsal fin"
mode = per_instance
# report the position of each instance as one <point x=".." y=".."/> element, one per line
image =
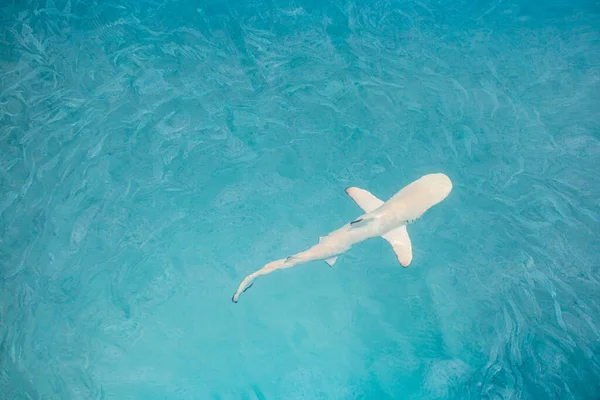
<point x="365" y="200"/>
<point x="361" y="222"/>
<point x="401" y="244"/>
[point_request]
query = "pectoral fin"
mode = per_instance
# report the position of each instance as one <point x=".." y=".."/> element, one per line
<point x="365" y="200"/>
<point x="401" y="244"/>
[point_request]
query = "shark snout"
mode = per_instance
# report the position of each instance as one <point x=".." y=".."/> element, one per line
<point x="439" y="185"/>
<point x="445" y="184"/>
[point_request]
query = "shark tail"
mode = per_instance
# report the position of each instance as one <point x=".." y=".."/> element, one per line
<point x="267" y="269"/>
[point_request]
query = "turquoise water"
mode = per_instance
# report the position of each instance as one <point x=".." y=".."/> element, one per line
<point x="153" y="153"/>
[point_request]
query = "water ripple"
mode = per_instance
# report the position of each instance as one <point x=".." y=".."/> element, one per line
<point x="152" y="153"/>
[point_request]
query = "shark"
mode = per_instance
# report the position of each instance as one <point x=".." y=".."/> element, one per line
<point x="387" y="219"/>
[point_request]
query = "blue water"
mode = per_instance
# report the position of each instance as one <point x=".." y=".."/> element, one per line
<point x="153" y="153"/>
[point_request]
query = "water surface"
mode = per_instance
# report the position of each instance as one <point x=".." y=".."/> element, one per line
<point x="153" y="153"/>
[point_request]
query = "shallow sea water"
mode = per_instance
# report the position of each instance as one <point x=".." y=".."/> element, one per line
<point x="153" y="153"/>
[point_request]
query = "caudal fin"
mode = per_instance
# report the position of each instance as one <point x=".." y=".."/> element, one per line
<point x="267" y="269"/>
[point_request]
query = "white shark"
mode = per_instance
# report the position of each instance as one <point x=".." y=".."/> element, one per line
<point x="386" y="219"/>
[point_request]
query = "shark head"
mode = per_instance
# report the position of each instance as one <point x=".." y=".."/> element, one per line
<point x="439" y="186"/>
<point x="419" y="196"/>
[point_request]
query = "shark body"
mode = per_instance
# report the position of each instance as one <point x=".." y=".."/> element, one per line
<point x="386" y="219"/>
